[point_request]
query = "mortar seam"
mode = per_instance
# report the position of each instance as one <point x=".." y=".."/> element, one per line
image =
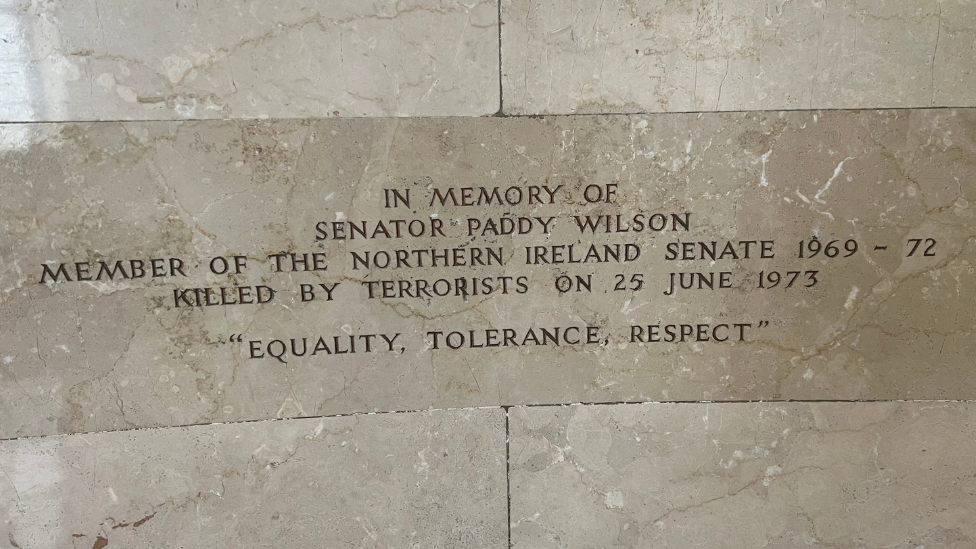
<point x="854" y="110"/>
<point x="508" y="473"/>
<point x="505" y="407"/>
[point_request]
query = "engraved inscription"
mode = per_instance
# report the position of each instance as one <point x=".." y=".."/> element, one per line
<point x="589" y="268"/>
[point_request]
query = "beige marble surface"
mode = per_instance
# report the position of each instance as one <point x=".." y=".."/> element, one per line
<point x="197" y="349"/>
<point x="120" y="60"/>
<point x="428" y="479"/>
<point x="696" y="55"/>
<point x="115" y="353"/>
<point x="841" y="475"/>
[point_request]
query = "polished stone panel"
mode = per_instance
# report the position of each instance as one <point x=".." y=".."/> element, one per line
<point x="696" y="55"/>
<point x="775" y="476"/>
<point x="122" y="60"/>
<point x="427" y="479"/>
<point x="537" y="297"/>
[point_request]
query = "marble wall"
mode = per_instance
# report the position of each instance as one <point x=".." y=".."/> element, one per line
<point x="779" y="475"/>
<point x="633" y="56"/>
<point x="143" y="402"/>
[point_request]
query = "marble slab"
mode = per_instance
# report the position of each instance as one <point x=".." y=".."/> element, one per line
<point x="121" y="60"/>
<point x="427" y="479"/>
<point x="776" y="476"/>
<point x="173" y="273"/>
<point x="694" y="55"/>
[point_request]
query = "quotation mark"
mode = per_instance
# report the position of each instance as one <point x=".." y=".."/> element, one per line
<point x="236" y="338"/>
<point x="763" y="324"/>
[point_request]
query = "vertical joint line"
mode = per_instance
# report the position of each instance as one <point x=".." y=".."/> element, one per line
<point x="500" y="87"/>
<point x="508" y="475"/>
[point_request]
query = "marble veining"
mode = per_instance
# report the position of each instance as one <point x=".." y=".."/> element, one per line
<point x="756" y="475"/>
<point x="695" y="55"/>
<point x="119" y="60"/>
<point x="427" y="479"/>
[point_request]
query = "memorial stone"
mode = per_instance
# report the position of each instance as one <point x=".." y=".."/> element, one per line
<point x="172" y="273"/>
